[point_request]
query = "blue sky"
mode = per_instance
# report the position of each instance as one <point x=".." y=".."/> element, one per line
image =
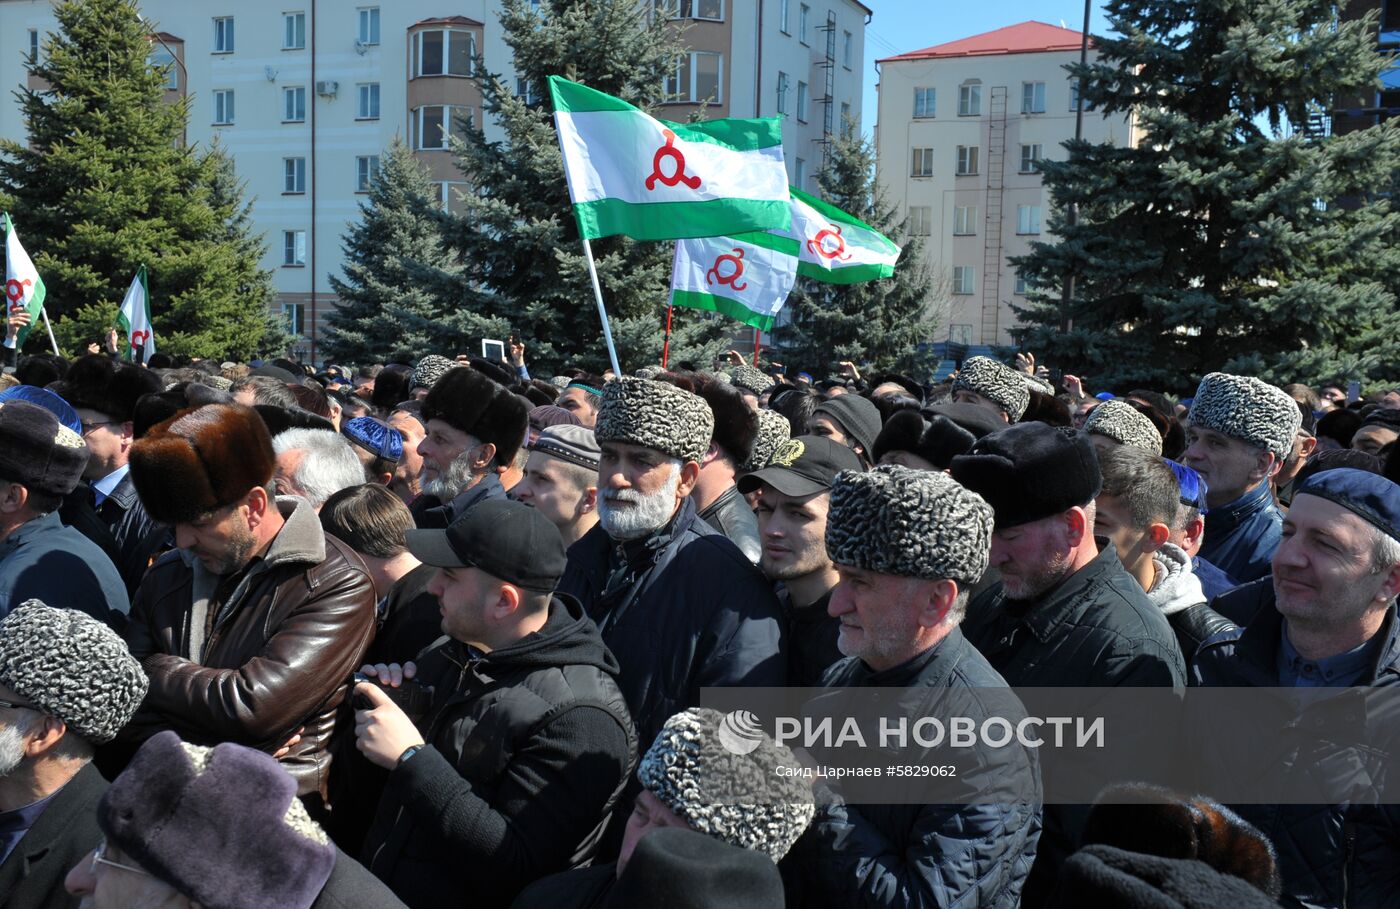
<point x="901" y="26"/>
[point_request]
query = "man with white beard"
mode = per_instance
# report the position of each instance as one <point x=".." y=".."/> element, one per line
<point x="474" y="426"/>
<point x="67" y="683"/>
<point x="677" y="602"/>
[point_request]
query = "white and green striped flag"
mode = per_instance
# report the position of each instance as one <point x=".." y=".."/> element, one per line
<point x="24" y="289"/>
<point x="745" y="277"/>
<point x="630" y="173"/>
<point x="135" y="319"/>
<point x="836" y="247"/>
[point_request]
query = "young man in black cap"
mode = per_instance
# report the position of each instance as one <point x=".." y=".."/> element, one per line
<point x="1325" y="619"/>
<point x="849" y="420"/>
<point x="794" y="494"/>
<point x="716" y="496"/>
<point x="1065" y="613"/>
<point x="515" y="769"/>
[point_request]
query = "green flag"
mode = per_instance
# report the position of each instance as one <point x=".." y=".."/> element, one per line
<point x="24" y="289"/>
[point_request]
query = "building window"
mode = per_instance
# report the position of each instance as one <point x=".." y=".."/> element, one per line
<point x="434" y="125"/>
<point x="1074" y="97"/>
<point x="294" y="104"/>
<point x="444" y="52"/>
<point x="525" y="91"/>
<point x="293" y="31"/>
<point x="295" y="316"/>
<point x="369" y="25"/>
<point x="801" y="102"/>
<point x="1021" y="285"/>
<point x="369" y="101"/>
<point x="1030" y="159"/>
<point x="782" y="92"/>
<point x="920" y="220"/>
<point x="925" y="102"/>
<point x="696" y="79"/>
<point x="967" y="160"/>
<point x="33" y="46"/>
<point x="799" y="173"/>
<point x="293" y="248"/>
<point x="804" y="20"/>
<point x="293" y="175"/>
<point x="785" y="16"/>
<point x="923" y="163"/>
<point x="965" y="221"/>
<point x="447" y="191"/>
<point x="1028" y="219"/>
<point x="366" y="172"/>
<point x="848" y="49"/>
<point x="223" y="35"/>
<point x="712" y="10"/>
<point x="848" y="126"/>
<point x="164" y="60"/>
<point x="964" y="278"/>
<point x="1032" y="97"/>
<point x="970" y="100"/>
<point x="223" y="106"/>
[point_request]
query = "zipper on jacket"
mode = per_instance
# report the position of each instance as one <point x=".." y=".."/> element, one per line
<point x="1348" y="852"/>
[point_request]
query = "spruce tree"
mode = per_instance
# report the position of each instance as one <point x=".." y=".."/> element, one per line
<point x="105" y="183"/>
<point x="515" y="238"/>
<point x="878" y="324"/>
<point x="385" y="313"/>
<point x="1226" y="238"/>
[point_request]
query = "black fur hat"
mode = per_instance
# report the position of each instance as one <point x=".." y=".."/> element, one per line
<point x="937" y="442"/>
<point x="469" y="401"/>
<point x="736" y="423"/>
<point x="109" y="389"/>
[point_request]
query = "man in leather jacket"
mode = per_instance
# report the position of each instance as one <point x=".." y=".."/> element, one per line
<point x="716" y="496"/>
<point x="1134" y="512"/>
<point x="248" y="631"/>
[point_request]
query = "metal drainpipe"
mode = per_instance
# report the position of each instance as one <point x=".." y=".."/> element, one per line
<point x="758" y="66"/>
<point x="312" y="232"/>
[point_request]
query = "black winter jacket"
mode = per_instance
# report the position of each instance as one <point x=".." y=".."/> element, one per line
<point x="929" y="855"/>
<point x="62" y="836"/>
<point x="528" y="749"/>
<point x="1345" y="854"/>
<point x="686" y="611"/>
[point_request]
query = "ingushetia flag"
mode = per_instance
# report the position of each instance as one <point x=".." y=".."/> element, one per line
<point x="630" y="173"/>
<point x="24" y="289"/>
<point x="836" y="247"/>
<point x="746" y="277"/>
<point x="135" y="319"/>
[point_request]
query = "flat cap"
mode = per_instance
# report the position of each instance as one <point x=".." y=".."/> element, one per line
<point x="1370" y="496"/>
<point x="575" y="444"/>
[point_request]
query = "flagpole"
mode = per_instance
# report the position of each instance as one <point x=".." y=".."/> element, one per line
<point x="757" y="341"/>
<point x="602" y="310"/>
<point x="43" y="311"/>
<point x="666" y="347"/>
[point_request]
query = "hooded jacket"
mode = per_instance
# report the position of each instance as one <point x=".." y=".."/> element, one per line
<point x="1177" y="592"/>
<point x="528" y="749"/>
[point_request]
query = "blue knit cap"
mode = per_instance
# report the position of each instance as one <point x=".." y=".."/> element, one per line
<point x="374" y="437"/>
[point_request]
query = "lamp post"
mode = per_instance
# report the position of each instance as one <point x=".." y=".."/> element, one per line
<point x="184" y="73"/>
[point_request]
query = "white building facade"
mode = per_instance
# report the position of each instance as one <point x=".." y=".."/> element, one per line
<point x="961" y="130"/>
<point x="305" y="96"/>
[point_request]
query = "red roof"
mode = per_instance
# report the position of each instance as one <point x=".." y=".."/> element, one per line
<point x="1023" y="38"/>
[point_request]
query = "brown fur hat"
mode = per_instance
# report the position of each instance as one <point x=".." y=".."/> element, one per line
<point x="469" y="401"/>
<point x="201" y="460"/>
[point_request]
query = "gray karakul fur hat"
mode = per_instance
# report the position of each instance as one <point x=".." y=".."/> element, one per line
<point x="737" y="798"/>
<point x="431" y="368"/>
<point x="773" y="430"/>
<point x="655" y="415"/>
<point x="1244" y="408"/>
<point x="909" y="523"/>
<point x="1124" y="424"/>
<point x="750" y="378"/>
<point x="997" y="382"/>
<point x="73" y="667"/>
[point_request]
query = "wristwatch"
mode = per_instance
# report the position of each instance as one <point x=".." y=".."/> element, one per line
<point x="408" y="752"/>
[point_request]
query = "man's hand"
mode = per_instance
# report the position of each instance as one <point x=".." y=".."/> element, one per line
<point x="111" y="340"/>
<point x="390" y="675"/>
<point x="734" y="358"/>
<point x="517" y="353"/>
<point x="384" y="732"/>
<point x="19" y="318"/>
<point x="1025" y="362"/>
<point x="1074" y="387"/>
<point x="291" y="743"/>
<point x="849" y="369"/>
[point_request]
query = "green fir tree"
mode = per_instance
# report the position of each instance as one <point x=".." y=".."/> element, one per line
<point x="515" y="236"/>
<point x="386" y="314"/>
<point x="105" y="182"/>
<point x="1227" y="238"/>
<point x="879" y="325"/>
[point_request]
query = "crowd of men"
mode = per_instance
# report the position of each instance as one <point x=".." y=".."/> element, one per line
<point x="437" y="634"/>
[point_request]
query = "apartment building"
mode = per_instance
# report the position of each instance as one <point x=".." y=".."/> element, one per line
<point x="305" y="96"/>
<point x="962" y="127"/>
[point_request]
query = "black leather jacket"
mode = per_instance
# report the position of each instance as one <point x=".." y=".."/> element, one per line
<point x="730" y="515"/>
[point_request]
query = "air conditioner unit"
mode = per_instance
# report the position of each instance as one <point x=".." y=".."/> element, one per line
<point x="360" y="47"/>
<point x="327" y="88"/>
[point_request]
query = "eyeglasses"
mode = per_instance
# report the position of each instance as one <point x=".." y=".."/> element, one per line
<point x="99" y="858"/>
<point x="89" y="427"/>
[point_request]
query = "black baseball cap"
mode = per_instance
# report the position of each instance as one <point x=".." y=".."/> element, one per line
<point x="508" y="540"/>
<point x="803" y="466"/>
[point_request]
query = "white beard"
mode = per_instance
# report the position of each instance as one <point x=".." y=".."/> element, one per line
<point x="456" y="480"/>
<point x="11" y="749"/>
<point x="644" y="515"/>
